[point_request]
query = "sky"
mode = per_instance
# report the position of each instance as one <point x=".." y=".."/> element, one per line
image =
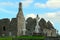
<point x="47" y="9"/>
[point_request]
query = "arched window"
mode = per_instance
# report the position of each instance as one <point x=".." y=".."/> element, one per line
<point x="4" y="29"/>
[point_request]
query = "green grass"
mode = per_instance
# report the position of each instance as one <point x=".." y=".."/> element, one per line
<point x="31" y="37"/>
<point x="22" y="37"/>
<point x="5" y="38"/>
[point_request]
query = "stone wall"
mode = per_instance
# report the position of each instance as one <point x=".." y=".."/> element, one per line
<point x="50" y="32"/>
<point x="13" y="27"/>
<point x="4" y="27"/>
<point x="7" y="27"/>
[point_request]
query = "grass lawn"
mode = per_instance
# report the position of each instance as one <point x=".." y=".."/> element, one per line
<point x="5" y="38"/>
<point x="22" y="37"/>
<point x="31" y="37"/>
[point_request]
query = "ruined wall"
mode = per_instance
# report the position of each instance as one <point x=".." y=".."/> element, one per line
<point x="13" y="27"/>
<point x="16" y="25"/>
<point x="7" y="27"/>
<point x="4" y="27"/>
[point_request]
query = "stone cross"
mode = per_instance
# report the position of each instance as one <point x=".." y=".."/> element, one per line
<point x="37" y="25"/>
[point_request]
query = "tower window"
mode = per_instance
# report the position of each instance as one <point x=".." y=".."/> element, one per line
<point x="4" y="29"/>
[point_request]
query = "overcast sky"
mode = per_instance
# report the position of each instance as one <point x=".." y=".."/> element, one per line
<point x="47" y="9"/>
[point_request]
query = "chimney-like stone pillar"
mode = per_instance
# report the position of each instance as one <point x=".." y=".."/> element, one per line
<point x="20" y="6"/>
<point x="20" y="21"/>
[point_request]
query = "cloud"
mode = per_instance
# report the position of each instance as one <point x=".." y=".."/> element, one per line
<point x="6" y="11"/>
<point x="39" y="5"/>
<point x="49" y="4"/>
<point x="3" y="4"/>
<point x="7" y="5"/>
<point x="26" y="3"/>
<point x="54" y="17"/>
<point x="30" y="15"/>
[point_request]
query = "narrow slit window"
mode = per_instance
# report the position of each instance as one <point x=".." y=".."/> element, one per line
<point x="4" y="29"/>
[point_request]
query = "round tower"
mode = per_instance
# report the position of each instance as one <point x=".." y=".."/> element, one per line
<point x="20" y="21"/>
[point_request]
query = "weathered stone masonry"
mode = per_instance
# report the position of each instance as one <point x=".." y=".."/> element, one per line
<point x="15" y="26"/>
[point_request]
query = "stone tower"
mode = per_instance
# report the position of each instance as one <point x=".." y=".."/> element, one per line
<point x="20" y="20"/>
